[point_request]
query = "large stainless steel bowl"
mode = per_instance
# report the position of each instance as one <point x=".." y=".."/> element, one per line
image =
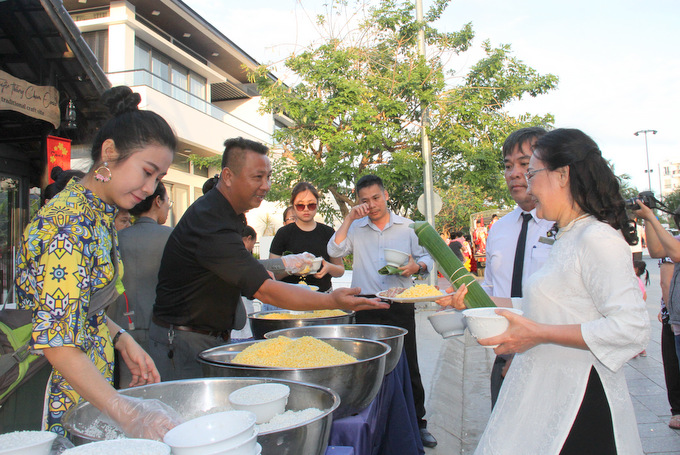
<point x="194" y="397"/>
<point x="388" y="334"/>
<point x="260" y="326"/>
<point x="357" y="383"/>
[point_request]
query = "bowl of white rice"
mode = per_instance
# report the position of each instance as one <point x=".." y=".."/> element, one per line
<point x="264" y="400"/>
<point x="304" y="428"/>
<point x="121" y="447"/>
<point x="27" y="442"/>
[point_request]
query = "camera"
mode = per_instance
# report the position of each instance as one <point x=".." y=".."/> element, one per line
<point x="647" y="198"/>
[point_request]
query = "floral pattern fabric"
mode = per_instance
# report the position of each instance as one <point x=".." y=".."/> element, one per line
<point x="65" y="257"/>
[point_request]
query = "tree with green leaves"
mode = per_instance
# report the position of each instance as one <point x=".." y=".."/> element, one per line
<point x="358" y="106"/>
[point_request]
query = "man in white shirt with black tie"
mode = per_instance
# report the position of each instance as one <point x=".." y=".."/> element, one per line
<point x="505" y="270"/>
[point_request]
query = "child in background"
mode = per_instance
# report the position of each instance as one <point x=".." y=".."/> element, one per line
<point x="640" y="269"/>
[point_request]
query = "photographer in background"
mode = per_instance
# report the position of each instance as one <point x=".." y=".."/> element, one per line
<point x="660" y="244"/>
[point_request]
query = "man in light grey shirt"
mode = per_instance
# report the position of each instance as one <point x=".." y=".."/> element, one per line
<point x="368" y="229"/>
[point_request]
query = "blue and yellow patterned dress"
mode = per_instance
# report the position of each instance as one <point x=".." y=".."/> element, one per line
<point x="65" y="257"/>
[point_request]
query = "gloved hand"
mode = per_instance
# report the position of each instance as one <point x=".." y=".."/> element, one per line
<point x="298" y="263"/>
<point x="140" y="418"/>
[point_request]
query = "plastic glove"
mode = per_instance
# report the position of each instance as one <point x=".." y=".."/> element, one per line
<point x="298" y="263"/>
<point x="140" y="418"/>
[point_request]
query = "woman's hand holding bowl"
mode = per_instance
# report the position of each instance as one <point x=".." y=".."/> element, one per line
<point x="522" y="334"/>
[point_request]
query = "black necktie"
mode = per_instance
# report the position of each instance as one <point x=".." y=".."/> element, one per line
<point x="518" y="267"/>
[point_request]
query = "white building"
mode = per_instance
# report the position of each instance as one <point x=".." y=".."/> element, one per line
<point x="191" y="74"/>
<point x="669" y="172"/>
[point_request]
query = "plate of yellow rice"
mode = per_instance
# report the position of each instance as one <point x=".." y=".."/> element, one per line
<point x="414" y="294"/>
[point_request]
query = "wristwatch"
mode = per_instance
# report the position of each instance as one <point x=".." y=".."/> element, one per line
<point x="117" y="336"/>
<point x="423" y="269"/>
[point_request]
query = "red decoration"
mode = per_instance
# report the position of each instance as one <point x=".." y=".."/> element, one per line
<point x="58" y="154"/>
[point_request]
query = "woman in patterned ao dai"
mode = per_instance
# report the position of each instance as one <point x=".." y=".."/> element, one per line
<point x="584" y="316"/>
<point x="68" y="255"/>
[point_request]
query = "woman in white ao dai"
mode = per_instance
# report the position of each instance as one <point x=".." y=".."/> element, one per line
<point x="584" y="316"/>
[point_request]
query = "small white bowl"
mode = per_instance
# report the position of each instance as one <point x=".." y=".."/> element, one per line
<point x="27" y="442"/>
<point x="247" y="447"/>
<point x="211" y="433"/>
<point x="485" y="323"/>
<point x="122" y="447"/>
<point x="395" y="258"/>
<point x="448" y="323"/>
<point x="264" y="400"/>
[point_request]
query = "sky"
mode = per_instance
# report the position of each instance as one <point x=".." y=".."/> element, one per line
<point x="618" y="61"/>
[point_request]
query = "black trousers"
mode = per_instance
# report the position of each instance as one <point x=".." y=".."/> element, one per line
<point x="592" y="431"/>
<point x="671" y="368"/>
<point x="402" y="315"/>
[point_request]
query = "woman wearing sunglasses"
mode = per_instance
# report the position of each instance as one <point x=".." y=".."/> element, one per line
<point x="305" y="234"/>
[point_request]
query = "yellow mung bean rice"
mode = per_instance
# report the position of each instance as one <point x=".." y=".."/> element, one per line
<point x="283" y="352"/>
<point x="420" y="290"/>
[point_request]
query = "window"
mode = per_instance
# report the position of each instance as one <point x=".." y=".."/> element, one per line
<point x="200" y="170"/>
<point x="99" y="43"/>
<point x="180" y="79"/>
<point x="169" y="77"/>
<point x="180" y="162"/>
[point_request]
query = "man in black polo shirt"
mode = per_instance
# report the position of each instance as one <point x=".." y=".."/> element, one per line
<point x="205" y="269"/>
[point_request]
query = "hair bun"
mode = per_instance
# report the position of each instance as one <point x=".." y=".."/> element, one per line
<point x="56" y="171"/>
<point x="120" y="100"/>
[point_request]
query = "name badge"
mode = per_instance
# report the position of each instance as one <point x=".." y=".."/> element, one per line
<point x="546" y="240"/>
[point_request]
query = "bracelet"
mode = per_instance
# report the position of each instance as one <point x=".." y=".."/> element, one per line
<point x="117" y="336"/>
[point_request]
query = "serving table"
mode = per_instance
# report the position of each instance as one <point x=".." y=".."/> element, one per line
<point x="388" y="425"/>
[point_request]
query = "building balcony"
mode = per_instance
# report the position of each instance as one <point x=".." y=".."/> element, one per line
<point x="195" y="120"/>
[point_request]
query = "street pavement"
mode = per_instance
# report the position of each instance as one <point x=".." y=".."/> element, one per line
<point x="455" y="375"/>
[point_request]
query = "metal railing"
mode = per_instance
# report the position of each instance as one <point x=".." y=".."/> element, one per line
<point x="148" y="79"/>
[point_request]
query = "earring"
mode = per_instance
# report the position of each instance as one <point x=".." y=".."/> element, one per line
<point x="103" y="173"/>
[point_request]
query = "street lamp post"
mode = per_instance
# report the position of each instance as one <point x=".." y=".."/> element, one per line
<point x="648" y="171"/>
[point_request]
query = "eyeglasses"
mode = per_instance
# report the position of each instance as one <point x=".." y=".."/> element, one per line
<point x="528" y="175"/>
<point x="292" y="218"/>
<point x="301" y="207"/>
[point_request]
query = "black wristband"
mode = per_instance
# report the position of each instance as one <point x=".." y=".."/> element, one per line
<point x="117" y="336"/>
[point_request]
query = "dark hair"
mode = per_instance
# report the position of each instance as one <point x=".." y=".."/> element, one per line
<point x="210" y="183"/>
<point x="519" y="137"/>
<point x="640" y="268"/>
<point x="147" y="203"/>
<point x="235" y="152"/>
<point x="302" y="187"/>
<point x="286" y="212"/>
<point x="369" y="180"/>
<point x="248" y="231"/>
<point x="130" y="128"/>
<point x="457" y="234"/>
<point x="592" y="183"/>
<point x="61" y="178"/>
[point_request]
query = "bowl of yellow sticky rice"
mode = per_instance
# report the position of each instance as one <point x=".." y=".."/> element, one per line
<point x="262" y="322"/>
<point x="353" y="368"/>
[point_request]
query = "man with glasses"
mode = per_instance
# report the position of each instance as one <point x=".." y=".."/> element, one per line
<point x="367" y="230"/>
<point x="206" y="267"/>
<point x="517" y="245"/>
<point x="289" y="215"/>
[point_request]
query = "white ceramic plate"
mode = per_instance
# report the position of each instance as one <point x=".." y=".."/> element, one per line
<point x="432" y="298"/>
